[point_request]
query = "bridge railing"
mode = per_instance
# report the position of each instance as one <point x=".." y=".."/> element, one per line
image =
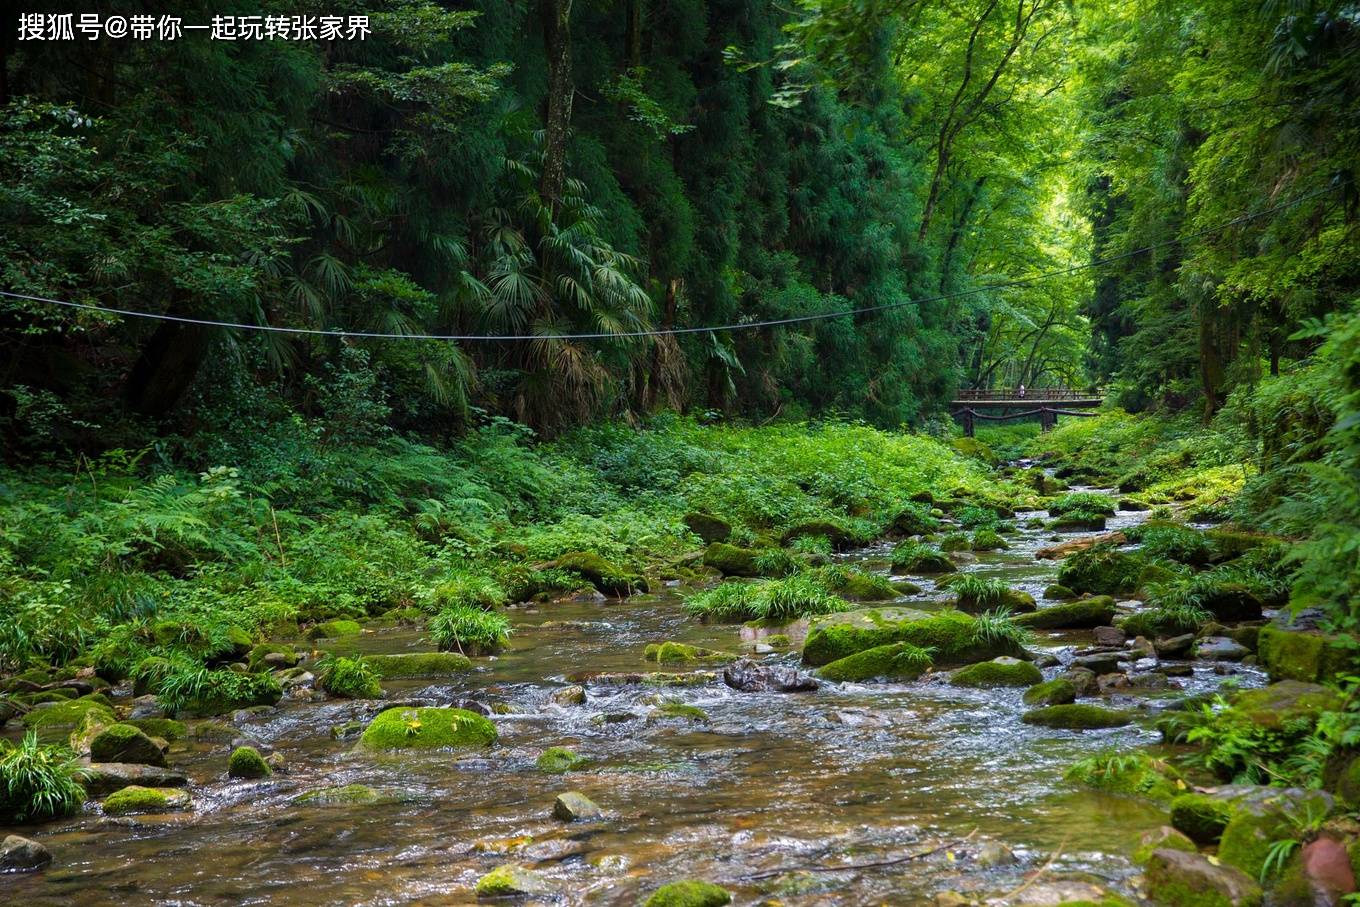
<point x="1031" y="393"/>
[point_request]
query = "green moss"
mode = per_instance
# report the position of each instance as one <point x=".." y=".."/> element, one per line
<point x="1166" y="838"/>
<point x="1102" y="571"/>
<point x="689" y="894"/>
<point x="350" y="794"/>
<point x="335" y="629"/>
<point x="1288" y="702"/>
<point x="731" y="560"/>
<point x="125" y="743"/>
<point x="1201" y="817"/>
<point x="988" y="540"/>
<point x="952" y="636"/>
<point x="914" y="557"/>
<point x="1133" y="773"/>
<point x="1309" y="656"/>
<point x="1096" y="611"/>
<point x="1076" y="717"/>
<point x="55" y="722"/>
<point x="848" y="582"/>
<point x="604" y="575"/>
<point x="165" y="728"/>
<point x="999" y="672"/>
<point x="136" y="799"/>
<point x="708" y="527"/>
<point x="427" y="728"/>
<point x="255" y="661"/>
<point x="1258" y="823"/>
<point x="682" y="711"/>
<point x="556" y="760"/>
<point x="1051" y="692"/>
<point x="511" y="881"/>
<point x="673" y="652"/>
<point x="246" y="762"/>
<point x="1058" y="592"/>
<point x="896" y="661"/>
<point x="418" y="664"/>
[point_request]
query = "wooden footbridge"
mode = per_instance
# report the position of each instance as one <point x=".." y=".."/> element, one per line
<point x="1003" y="405"/>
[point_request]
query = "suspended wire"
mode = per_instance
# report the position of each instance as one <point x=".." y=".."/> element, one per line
<point x="672" y="331"/>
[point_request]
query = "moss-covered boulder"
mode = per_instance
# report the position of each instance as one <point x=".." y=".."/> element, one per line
<point x="677" y="652"/>
<point x="335" y="629"/>
<point x="999" y="672"/>
<point x="1289" y="702"/>
<point x="165" y="728"/>
<point x="988" y="540"/>
<point x="1083" y="614"/>
<point x="418" y="664"/>
<point x="1051" y="692"/>
<point x="1078" y="522"/>
<point x="270" y="656"/>
<point x="126" y="743"/>
<point x="708" y="527"/>
<point x="1201" y="817"/>
<point x="1076" y="717"/>
<point x="1102" y="570"/>
<point x="246" y="762"/>
<point x="689" y="894"/>
<point x="1163" y="837"/>
<point x="1176" y="878"/>
<point x="1303" y="655"/>
<point x="574" y="806"/>
<point x="1133" y="773"/>
<point x="913" y="519"/>
<point x="858" y="585"/>
<point x="55" y="722"/>
<point x="1014" y="601"/>
<point x="557" y="760"/>
<point x="1260" y="819"/>
<point x="1059" y="593"/>
<point x="731" y="560"/>
<point x="512" y="881"/>
<point x="427" y="728"/>
<point x="839" y="536"/>
<point x="915" y="558"/>
<point x="137" y="799"/>
<point x="604" y="575"/>
<point x="896" y="661"/>
<point x="953" y="637"/>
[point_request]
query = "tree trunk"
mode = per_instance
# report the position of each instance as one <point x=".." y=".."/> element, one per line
<point x="166" y="367"/>
<point x="635" y="15"/>
<point x="556" y="15"/>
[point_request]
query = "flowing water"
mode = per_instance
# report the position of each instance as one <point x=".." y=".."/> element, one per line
<point x="763" y="798"/>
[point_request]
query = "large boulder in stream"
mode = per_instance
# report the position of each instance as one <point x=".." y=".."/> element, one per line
<point x="1181" y="879"/>
<point x="125" y="743"/>
<point x="1084" y="614"/>
<point x="955" y="638"/>
<point x="604" y="575"/>
<point x="1293" y="648"/>
<point x="755" y="677"/>
<point x="895" y="661"/>
<point x="428" y="728"/>
<point x="731" y="560"/>
<point x="18" y="854"/>
<point x="999" y="672"/>
<point x="106" y="777"/>
<point x="418" y="664"/>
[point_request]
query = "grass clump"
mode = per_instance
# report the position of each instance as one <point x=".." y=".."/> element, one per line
<point x="916" y="557"/>
<point x="1084" y="503"/>
<point x="38" y="781"/>
<point x="351" y="678"/>
<point x="988" y="540"/>
<point x="471" y="631"/>
<point x="1128" y="773"/>
<point x="776" y="601"/>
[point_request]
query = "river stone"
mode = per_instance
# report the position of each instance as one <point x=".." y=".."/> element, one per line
<point x="1083" y="679"/>
<point x="106" y="777"/>
<point x="512" y="881"/>
<point x="999" y="672"/>
<point x="568" y="696"/>
<point x="1102" y="663"/>
<point x="18" y="854"/>
<point x="708" y="527"/>
<point x="952" y="635"/>
<point x="1220" y="648"/>
<point x="1110" y="636"/>
<point x="1175" y="646"/>
<point x="1065" y="891"/>
<point x="146" y="707"/>
<point x="418" y="664"/>
<point x="246" y="762"/>
<point x="1086" y="613"/>
<point x="125" y="743"/>
<point x="1076" y="717"/>
<point x="1327" y="870"/>
<point x="574" y="806"/>
<point x="430" y="728"/>
<point x="750" y="677"/>
<point x="994" y="853"/>
<point x="137" y="799"/>
<point x="1177" y="877"/>
<point x="689" y="894"/>
<point x="1051" y="692"/>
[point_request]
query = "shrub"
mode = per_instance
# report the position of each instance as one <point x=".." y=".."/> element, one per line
<point x="1172" y="542"/>
<point x="972" y="516"/>
<point x="1084" y="502"/>
<point x="471" y="631"/>
<point x="352" y="678"/>
<point x="468" y="591"/>
<point x="38" y="781"/>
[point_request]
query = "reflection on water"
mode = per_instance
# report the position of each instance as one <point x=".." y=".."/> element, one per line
<point x="850" y="774"/>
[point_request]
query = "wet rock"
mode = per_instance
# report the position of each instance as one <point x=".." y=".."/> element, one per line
<point x="897" y="661"/>
<point x="349" y="795"/>
<point x="246" y="762"/>
<point x="1284" y="702"/>
<point x="137" y="799"/>
<point x="994" y="853"/>
<point x="1076" y="717"/>
<point x="1064" y="891"/>
<point x="752" y="677"/>
<point x="1178" y="670"/>
<point x="1261" y="816"/>
<point x="951" y="634"/>
<point x="1294" y="649"/>
<point x="672" y="652"/>
<point x="574" y="806"/>
<point x="1083" y="679"/>
<point x="1220" y="648"/>
<point x="569" y="696"/>
<point x="106" y="777"/>
<point x="432" y="728"/>
<point x="1327" y="870"/>
<point x="616" y="718"/>
<point x="125" y="743"/>
<point x="18" y="854"/>
<point x="292" y="679"/>
<point x="1051" y="692"/>
<point x="646" y="678"/>
<point x="512" y="881"/>
<point x="608" y="578"/>
<point x="1058" y="592"/>
<point x="1164" y="837"/>
<point x="347" y="731"/>
<point x="474" y="706"/>
<point x="1178" y="877"/>
<point x="731" y="560"/>
<point x="1095" y="611"/>
<point x="1097" y="664"/>
<point x="146" y="707"/>
<point x="1175" y="646"/>
<point x="1072" y="546"/>
<point x="418" y="664"/>
<point x="689" y="894"/>
<point x="1201" y="817"/>
<point x="1142" y="647"/>
<point x="557" y="760"/>
<point x="1110" y="636"/>
<point x="708" y="527"/>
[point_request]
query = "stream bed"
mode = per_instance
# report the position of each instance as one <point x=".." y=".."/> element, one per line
<point x="762" y="798"/>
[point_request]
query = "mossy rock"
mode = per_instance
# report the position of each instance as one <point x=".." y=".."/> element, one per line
<point x="1077" y="717"/>
<point x="916" y="559"/>
<point x="1201" y="817"/>
<point x="1014" y="601"/>
<point x="418" y="664"/>
<point x="999" y="672"/>
<point x="675" y="652"/>
<point x="137" y="799"/>
<point x="1059" y="593"/>
<point x="689" y="894"/>
<point x="1260" y="819"/>
<point x="1159" y="838"/>
<point x="427" y="728"/>
<point x="1286" y="702"/>
<point x="557" y="760"/>
<point x="896" y="661"/>
<point x="1102" y="570"/>
<point x="731" y="560"/>
<point x="512" y="881"/>
<point x="708" y="527"/>
<point x="287" y="657"/>
<point x="839" y="536"/>
<point x="126" y="743"/>
<point x="988" y="540"/>
<point x="165" y="728"/>
<point x="1083" y="614"/>
<point x="1078" y="522"/>
<point x="1132" y="773"/>
<point x="1175" y="878"/>
<point x="55" y="722"/>
<point x="868" y="587"/>
<point x="1308" y="655"/>
<point x="349" y="795"/>
<point x="972" y="447"/>
<point x="601" y="573"/>
<point x="1231" y="602"/>
<point x="913" y="520"/>
<point x="246" y="762"/>
<point x="265" y="692"/>
<point x="1051" y="692"/>
<point x="953" y="636"/>
<point x="682" y="711"/>
<point x="335" y="629"/>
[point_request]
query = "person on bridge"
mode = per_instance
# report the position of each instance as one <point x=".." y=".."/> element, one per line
<point x="1022" y="392"/>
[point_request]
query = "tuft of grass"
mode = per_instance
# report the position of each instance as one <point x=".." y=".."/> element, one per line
<point x="471" y="631"/>
<point x="38" y="781"/>
<point x="779" y="600"/>
<point x="995" y="626"/>
<point x="351" y="678"/>
<point x="1083" y="502"/>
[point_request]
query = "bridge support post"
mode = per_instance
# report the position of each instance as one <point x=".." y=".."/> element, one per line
<point x="1048" y="419"/>
<point x="966" y="417"/>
